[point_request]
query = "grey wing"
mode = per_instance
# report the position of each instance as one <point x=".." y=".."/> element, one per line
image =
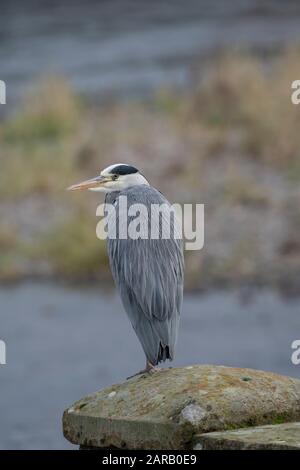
<point x="149" y="277"/>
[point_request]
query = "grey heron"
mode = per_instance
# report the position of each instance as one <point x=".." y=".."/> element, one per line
<point x="148" y="273"/>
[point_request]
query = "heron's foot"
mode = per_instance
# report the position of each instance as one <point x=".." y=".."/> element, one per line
<point x="154" y="369"/>
<point x="149" y="369"/>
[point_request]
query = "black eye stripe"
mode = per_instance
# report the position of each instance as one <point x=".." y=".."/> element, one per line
<point x="123" y="170"/>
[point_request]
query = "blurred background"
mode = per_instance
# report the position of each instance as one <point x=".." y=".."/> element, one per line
<point x="197" y="95"/>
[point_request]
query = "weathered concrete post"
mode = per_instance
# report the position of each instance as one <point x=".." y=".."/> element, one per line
<point x="195" y="407"/>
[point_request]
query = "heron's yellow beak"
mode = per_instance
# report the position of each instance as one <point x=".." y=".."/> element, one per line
<point x="88" y="184"/>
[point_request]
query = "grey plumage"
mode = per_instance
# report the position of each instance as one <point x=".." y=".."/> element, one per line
<point x="149" y="276"/>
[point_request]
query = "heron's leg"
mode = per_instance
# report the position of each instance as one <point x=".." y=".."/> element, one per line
<point x="149" y="369"/>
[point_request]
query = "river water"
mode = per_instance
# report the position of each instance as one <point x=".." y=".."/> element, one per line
<point x="63" y="343"/>
<point x="128" y="48"/>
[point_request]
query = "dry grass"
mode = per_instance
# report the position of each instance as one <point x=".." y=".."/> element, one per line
<point x="239" y="93"/>
<point x="239" y="115"/>
<point x="74" y="250"/>
<point x="49" y="110"/>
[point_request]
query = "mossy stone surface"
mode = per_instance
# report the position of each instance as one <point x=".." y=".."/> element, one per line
<point x="168" y="409"/>
<point x="274" y="437"/>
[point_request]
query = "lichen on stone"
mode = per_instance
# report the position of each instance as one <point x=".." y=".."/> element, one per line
<point x="166" y="410"/>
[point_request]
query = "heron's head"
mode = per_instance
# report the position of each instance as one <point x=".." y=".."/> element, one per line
<point x="113" y="178"/>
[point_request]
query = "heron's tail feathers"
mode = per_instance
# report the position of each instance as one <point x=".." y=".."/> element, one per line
<point x="164" y="354"/>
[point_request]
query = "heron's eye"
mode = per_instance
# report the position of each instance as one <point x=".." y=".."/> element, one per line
<point x="114" y="177"/>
